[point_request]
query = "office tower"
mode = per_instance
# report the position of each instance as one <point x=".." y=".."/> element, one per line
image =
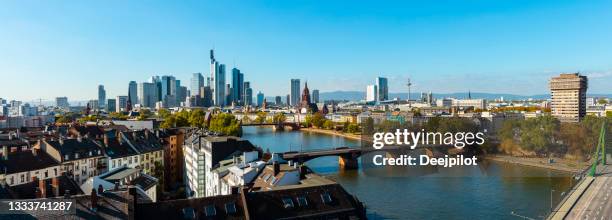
<point x="111" y="105"/>
<point x="237" y="86"/>
<point x="197" y="82"/>
<point x="217" y="78"/>
<point x="372" y="93"/>
<point x="101" y="96"/>
<point x="61" y="102"/>
<point x="248" y="94"/>
<point x="568" y="94"/>
<point x="383" y="88"/>
<point x="315" y="96"/>
<point x="94" y="104"/>
<point x="278" y="100"/>
<point x="228" y="94"/>
<point x="157" y="83"/>
<point x="181" y="94"/>
<point x="147" y="92"/>
<point x="120" y="102"/>
<point x="260" y="99"/>
<point x="295" y="92"/>
<point x="133" y="92"/>
<point x="288" y="99"/>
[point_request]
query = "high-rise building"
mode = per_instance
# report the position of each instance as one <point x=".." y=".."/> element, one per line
<point x="278" y="100"/>
<point x="217" y="78"/>
<point x="248" y="94"/>
<point x="133" y="92"/>
<point x="197" y="82"/>
<point x="111" y="105"/>
<point x="295" y="92"/>
<point x="120" y="102"/>
<point x="237" y="86"/>
<point x="147" y="92"/>
<point x="260" y="99"/>
<point x="568" y="94"/>
<point x="372" y="93"/>
<point x="228" y="94"/>
<point x="181" y="94"/>
<point x="101" y="96"/>
<point x="383" y="88"/>
<point x="288" y="99"/>
<point x="315" y="96"/>
<point x="60" y="102"/>
<point x="168" y="91"/>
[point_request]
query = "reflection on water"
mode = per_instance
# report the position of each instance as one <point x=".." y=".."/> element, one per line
<point x="490" y="196"/>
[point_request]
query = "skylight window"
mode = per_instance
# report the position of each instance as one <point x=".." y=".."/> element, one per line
<point x="326" y="198"/>
<point x="210" y="210"/>
<point x="230" y="208"/>
<point x="302" y="201"/>
<point x="287" y="202"/>
<point x="266" y="177"/>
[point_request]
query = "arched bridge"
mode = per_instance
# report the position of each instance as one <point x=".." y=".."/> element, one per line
<point x="277" y="126"/>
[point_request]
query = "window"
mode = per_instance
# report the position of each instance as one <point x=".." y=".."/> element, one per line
<point x="302" y="201"/>
<point x="230" y="208"/>
<point x="287" y="202"/>
<point x="210" y="210"/>
<point x="46" y="174"/>
<point x="326" y="198"/>
<point x="266" y="177"/>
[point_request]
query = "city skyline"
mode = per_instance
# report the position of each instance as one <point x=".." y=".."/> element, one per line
<point x="85" y="48"/>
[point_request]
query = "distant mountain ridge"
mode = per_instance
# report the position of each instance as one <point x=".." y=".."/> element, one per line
<point x="357" y="95"/>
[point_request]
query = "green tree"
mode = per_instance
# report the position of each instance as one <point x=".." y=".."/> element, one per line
<point x="226" y="124"/>
<point x="197" y="118"/>
<point x="261" y="117"/>
<point x="328" y="124"/>
<point x="144" y="114"/>
<point x="317" y="120"/>
<point x="169" y="122"/>
<point x="163" y="113"/>
<point x="182" y="118"/>
<point x="352" y="128"/>
<point x="279" y="117"/>
<point x="602" y="101"/>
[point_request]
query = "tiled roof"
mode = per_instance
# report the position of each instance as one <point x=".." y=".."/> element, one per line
<point x="70" y="148"/>
<point x="22" y="161"/>
<point x="29" y="190"/>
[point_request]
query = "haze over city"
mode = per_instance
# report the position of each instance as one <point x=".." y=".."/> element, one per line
<point x="510" y="47"/>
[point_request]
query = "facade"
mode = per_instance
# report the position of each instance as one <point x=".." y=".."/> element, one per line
<point x="120" y="103"/>
<point x="315" y="96"/>
<point x="260" y="99"/>
<point x="80" y="158"/>
<point x="248" y="94"/>
<point x="217" y="78"/>
<point x="111" y="105"/>
<point x="278" y="100"/>
<point x="295" y="92"/>
<point x="237" y="86"/>
<point x="474" y="103"/>
<point x="173" y="156"/>
<point x="133" y="92"/>
<point x="62" y="102"/>
<point x="372" y="93"/>
<point x="383" y="88"/>
<point x="101" y="96"/>
<point x="147" y="93"/>
<point x="197" y="82"/>
<point x="21" y="165"/>
<point x="568" y="94"/>
<point x="168" y="90"/>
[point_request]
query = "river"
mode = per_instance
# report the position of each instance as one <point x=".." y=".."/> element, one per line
<point x="479" y="197"/>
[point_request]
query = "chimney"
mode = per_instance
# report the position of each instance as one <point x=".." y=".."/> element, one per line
<point x="43" y="188"/>
<point x="55" y="185"/>
<point x="303" y="172"/>
<point x="4" y="152"/>
<point x="94" y="200"/>
<point x="276" y="168"/>
<point x="116" y="185"/>
<point x="105" y="140"/>
<point x="146" y="132"/>
<point x="100" y="189"/>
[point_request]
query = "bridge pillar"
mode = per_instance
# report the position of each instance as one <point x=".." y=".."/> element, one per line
<point x="348" y="162"/>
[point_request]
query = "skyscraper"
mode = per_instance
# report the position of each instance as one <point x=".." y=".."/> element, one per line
<point x="568" y="93"/>
<point x="372" y="93"/>
<point x="217" y="78"/>
<point x="197" y="82"/>
<point x="315" y="96"/>
<point x="101" y="96"/>
<point x="133" y="92"/>
<point x="120" y="102"/>
<point x="228" y="94"/>
<point x="147" y="92"/>
<point x="237" y="86"/>
<point x="295" y="92"/>
<point x="110" y="105"/>
<point x="278" y="100"/>
<point x="248" y="94"/>
<point x="60" y="102"/>
<point x="260" y="99"/>
<point x="383" y="88"/>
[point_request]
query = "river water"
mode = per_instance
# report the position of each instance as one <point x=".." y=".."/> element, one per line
<point x="477" y="197"/>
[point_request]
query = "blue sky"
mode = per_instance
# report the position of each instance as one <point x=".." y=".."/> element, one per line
<point x="66" y="48"/>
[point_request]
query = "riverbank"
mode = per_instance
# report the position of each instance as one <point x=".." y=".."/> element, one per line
<point x="558" y="164"/>
<point x="332" y="132"/>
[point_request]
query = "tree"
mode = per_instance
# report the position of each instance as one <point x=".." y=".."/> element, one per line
<point x="368" y="126"/>
<point x="261" y="117"/>
<point x="182" y="118"/>
<point x="602" y="101"/>
<point x="144" y="114"/>
<point x="169" y="122"/>
<point x="352" y="128"/>
<point x="328" y="124"/>
<point x="279" y="117"/>
<point x="226" y="124"/>
<point x="197" y="118"/>
<point x="117" y="115"/>
<point x="318" y="120"/>
<point x="163" y="113"/>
